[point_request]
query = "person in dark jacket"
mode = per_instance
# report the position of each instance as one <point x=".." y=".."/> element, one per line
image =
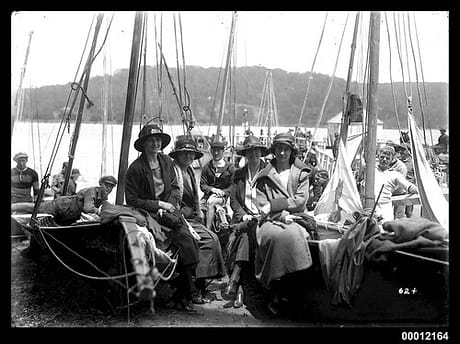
<point x="242" y="242"/>
<point x="68" y="209"/>
<point x="151" y="184"/>
<point x="215" y="181"/>
<point x="211" y="264"/>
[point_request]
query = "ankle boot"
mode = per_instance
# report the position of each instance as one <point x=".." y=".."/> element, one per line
<point x="234" y="279"/>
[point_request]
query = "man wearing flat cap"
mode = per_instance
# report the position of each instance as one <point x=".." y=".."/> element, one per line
<point x="151" y="184"/>
<point x="23" y="179"/>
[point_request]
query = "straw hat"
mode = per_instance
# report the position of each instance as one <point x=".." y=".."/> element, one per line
<point x="185" y="144"/>
<point x="251" y="142"/>
<point x="151" y="130"/>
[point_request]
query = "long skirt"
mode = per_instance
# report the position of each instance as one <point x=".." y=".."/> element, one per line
<point x="240" y="248"/>
<point x="211" y="262"/>
<point x="282" y="249"/>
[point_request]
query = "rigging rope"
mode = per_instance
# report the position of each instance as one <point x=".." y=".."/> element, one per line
<point x="398" y="39"/>
<point x="416" y="78"/>
<point x="407" y="54"/>
<point x="391" y="78"/>
<point x="310" y="77"/>
<point x="329" y="88"/>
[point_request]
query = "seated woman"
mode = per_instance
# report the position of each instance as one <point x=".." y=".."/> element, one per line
<point x="68" y="209"/>
<point x="211" y="264"/>
<point x="242" y="242"/>
<point x="215" y="181"/>
<point x="282" y="189"/>
<point x="151" y="184"/>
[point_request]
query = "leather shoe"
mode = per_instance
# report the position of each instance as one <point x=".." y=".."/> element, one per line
<point x="198" y="299"/>
<point x="238" y="302"/>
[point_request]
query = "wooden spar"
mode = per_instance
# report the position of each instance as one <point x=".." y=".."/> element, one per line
<point x="78" y="121"/>
<point x="129" y="108"/>
<point x="19" y="98"/>
<point x="346" y="95"/>
<point x="226" y="74"/>
<point x="369" y="195"/>
<point x="269" y="114"/>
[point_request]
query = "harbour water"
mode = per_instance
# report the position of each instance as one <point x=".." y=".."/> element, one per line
<point x="37" y="140"/>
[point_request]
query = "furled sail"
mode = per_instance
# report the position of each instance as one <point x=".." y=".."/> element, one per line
<point x="436" y="207"/>
<point x="342" y="179"/>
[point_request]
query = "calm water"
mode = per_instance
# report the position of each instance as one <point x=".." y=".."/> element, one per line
<point x="38" y="141"/>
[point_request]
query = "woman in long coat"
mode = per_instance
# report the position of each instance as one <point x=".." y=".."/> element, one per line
<point x="242" y="241"/>
<point x="151" y="184"/>
<point x="282" y="190"/>
<point x="211" y="262"/>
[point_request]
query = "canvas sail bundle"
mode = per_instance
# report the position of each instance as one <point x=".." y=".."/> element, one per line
<point x="342" y="179"/>
<point x="436" y="207"/>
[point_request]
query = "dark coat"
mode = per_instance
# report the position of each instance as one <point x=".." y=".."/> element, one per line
<point x="140" y="193"/>
<point x="139" y="189"/>
<point x="238" y="193"/>
<point x="209" y="180"/>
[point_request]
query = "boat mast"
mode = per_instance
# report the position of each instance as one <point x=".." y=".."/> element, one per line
<point x="130" y="106"/>
<point x="19" y="100"/>
<point x="374" y="26"/>
<point x="226" y="75"/>
<point x="346" y="95"/>
<point x="81" y="107"/>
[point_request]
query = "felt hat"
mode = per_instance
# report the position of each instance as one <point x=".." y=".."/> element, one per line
<point x="251" y="142"/>
<point x="284" y="138"/>
<point x="108" y="180"/>
<point x="75" y="172"/>
<point x="151" y="130"/>
<point x="217" y="141"/>
<point x="185" y="144"/>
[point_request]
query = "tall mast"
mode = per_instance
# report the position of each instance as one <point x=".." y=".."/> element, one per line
<point x="130" y="106"/>
<point x="81" y="107"/>
<point x="226" y="75"/>
<point x="346" y="95"/>
<point x="369" y="195"/>
<point x="19" y="100"/>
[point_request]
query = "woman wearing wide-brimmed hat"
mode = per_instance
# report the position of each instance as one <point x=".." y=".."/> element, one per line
<point x="216" y="180"/>
<point x="282" y="190"/>
<point x="151" y="184"/>
<point x="242" y="243"/>
<point x="211" y="264"/>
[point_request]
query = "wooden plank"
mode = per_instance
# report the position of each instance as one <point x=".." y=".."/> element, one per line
<point x="145" y="288"/>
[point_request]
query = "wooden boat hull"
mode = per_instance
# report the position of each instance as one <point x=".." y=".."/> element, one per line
<point x="88" y="249"/>
<point x="402" y="290"/>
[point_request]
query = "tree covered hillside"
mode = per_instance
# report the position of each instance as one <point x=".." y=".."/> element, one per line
<point x="46" y="103"/>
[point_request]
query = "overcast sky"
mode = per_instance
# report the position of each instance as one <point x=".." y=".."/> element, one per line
<point x="286" y="40"/>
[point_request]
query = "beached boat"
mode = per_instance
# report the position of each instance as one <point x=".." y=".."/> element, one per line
<point x="409" y="284"/>
<point x="117" y="250"/>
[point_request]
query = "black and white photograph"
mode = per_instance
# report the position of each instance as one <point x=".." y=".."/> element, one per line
<point x="231" y="169"/>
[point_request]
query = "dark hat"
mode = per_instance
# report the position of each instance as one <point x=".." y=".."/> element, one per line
<point x="284" y="138"/>
<point x="108" y="180"/>
<point x="442" y="129"/>
<point x="217" y="141"/>
<point x="251" y="142"/>
<point x="75" y="171"/>
<point x="20" y="155"/>
<point x="185" y="144"/>
<point x="151" y="130"/>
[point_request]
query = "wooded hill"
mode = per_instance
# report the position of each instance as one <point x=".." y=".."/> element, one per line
<point x="47" y="102"/>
